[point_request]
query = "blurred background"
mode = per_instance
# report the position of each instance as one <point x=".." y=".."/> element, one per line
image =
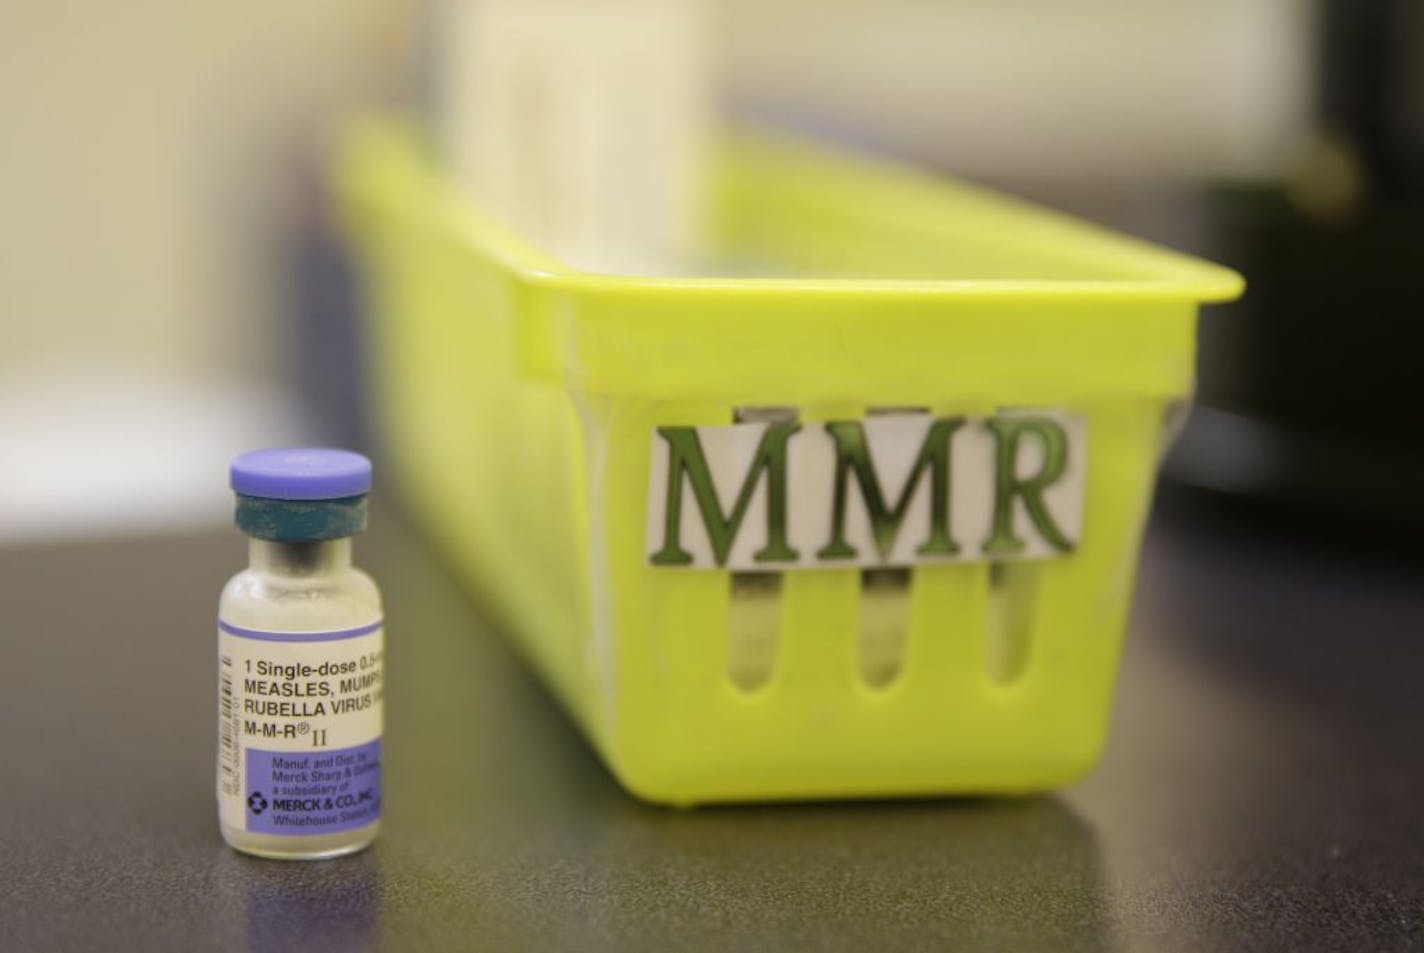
<point x="171" y="291"/>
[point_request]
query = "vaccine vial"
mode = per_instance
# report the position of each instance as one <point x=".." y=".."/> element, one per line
<point x="300" y="662"/>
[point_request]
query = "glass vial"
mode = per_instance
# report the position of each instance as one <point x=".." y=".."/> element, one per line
<point x="300" y="662"/>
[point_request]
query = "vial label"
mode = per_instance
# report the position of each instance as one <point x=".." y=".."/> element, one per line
<point x="299" y="718"/>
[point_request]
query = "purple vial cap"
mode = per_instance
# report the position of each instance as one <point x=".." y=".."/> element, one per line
<point x="301" y="473"/>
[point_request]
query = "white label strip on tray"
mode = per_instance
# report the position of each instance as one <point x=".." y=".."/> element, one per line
<point x="895" y="489"/>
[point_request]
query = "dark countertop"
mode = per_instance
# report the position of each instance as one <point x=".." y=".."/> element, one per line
<point x="1263" y="786"/>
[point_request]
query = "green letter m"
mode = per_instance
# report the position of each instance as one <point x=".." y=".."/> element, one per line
<point x="853" y="453"/>
<point x="685" y="457"/>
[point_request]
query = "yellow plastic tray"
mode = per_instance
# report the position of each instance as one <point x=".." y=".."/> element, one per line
<point x="518" y="398"/>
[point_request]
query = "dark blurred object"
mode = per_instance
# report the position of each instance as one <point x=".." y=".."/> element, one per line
<point x="1309" y="388"/>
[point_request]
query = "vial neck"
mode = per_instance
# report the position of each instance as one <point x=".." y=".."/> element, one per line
<point x="299" y="559"/>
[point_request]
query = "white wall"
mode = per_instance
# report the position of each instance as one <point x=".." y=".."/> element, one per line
<point x="1017" y="89"/>
<point x="151" y="172"/>
<point x="146" y="160"/>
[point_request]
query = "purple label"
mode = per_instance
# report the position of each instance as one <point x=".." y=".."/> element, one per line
<point x="313" y="792"/>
